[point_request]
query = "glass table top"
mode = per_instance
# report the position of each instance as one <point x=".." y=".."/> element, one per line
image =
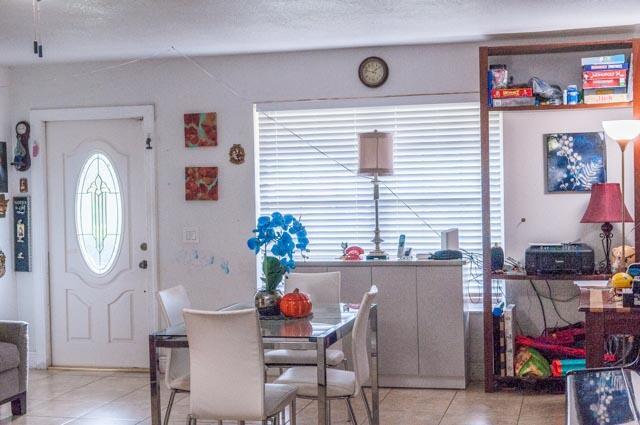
<point x="326" y="320"/>
<point x="605" y="396"/>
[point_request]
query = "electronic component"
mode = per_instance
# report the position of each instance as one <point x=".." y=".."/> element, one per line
<point x="568" y="258"/>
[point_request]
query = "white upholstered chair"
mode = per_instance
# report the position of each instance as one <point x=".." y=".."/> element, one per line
<point x="341" y="384"/>
<point x="227" y="365"/>
<point x="173" y="301"/>
<point x="322" y="288"/>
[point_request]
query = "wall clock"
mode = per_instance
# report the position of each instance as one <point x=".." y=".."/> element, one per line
<point x="21" y="159"/>
<point x="373" y="71"/>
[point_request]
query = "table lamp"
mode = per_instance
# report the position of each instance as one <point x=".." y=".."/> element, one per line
<point x="604" y="207"/>
<point x="375" y="156"/>
<point x="622" y="132"/>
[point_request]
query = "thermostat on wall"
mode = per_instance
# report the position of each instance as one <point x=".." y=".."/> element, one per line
<point x="190" y="235"/>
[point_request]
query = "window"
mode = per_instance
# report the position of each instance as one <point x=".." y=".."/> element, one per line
<point x="437" y="174"/>
<point x="98" y="213"/>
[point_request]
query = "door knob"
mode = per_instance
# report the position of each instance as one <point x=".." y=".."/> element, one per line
<point x="143" y="264"/>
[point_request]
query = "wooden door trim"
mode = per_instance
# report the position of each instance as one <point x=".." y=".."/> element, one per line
<point x="41" y="339"/>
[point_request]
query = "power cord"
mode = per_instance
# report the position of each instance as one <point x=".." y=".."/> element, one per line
<point x="544" y="314"/>
<point x="553" y="303"/>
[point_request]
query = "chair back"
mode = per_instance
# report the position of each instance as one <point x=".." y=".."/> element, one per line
<point x="359" y="352"/>
<point x="173" y="301"/>
<point x="227" y="364"/>
<point x="322" y="288"/>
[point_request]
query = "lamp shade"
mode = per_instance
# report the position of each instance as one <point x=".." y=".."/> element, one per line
<point x="604" y="205"/>
<point x="375" y="153"/>
<point x="618" y="130"/>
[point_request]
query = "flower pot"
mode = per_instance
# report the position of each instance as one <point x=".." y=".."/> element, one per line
<point x="268" y="302"/>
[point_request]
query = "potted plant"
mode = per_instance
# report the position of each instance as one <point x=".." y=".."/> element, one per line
<point x="277" y="237"/>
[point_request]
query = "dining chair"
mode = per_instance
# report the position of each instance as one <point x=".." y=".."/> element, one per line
<point x="227" y="364"/>
<point x="322" y="288"/>
<point x="341" y="384"/>
<point x="176" y="378"/>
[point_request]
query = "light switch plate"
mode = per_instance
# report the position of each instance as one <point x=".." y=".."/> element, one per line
<point x="190" y="235"/>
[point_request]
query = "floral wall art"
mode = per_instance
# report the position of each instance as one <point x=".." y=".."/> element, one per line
<point x="201" y="183"/>
<point x="574" y="161"/>
<point x="200" y="130"/>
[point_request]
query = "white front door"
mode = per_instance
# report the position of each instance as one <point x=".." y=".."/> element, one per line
<point x="98" y="243"/>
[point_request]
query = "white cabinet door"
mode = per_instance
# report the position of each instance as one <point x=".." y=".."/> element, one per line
<point x="98" y="235"/>
<point x="397" y="319"/>
<point x="441" y="320"/>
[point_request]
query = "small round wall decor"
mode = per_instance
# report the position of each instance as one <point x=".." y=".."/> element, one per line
<point x="236" y="154"/>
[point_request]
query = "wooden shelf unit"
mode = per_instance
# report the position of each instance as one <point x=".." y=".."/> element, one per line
<point x="492" y="381"/>
<point x="560" y="107"/>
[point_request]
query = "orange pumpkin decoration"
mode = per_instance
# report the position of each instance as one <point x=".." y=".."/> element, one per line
<point x="295" y="304"/>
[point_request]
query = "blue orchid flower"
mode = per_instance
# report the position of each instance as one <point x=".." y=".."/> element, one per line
<point x="281" y="235"/>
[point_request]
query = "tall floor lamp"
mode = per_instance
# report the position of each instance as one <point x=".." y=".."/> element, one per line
<point x="375" y="154"/>
<point x="622" y="132"/>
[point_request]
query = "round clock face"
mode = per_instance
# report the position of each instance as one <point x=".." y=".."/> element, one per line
<point x="21" y="128"/>
<point x="373" y="71"/>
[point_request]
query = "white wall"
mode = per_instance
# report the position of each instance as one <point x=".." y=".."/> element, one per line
<point x="175" y="86"/>
<point x="8" y="296"/>
<point x="551" y="217"/>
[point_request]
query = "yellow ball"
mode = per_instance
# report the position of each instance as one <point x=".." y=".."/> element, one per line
<point x="621" y="280"/>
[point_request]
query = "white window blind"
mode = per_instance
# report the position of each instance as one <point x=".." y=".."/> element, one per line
<point x="437" y="173"/>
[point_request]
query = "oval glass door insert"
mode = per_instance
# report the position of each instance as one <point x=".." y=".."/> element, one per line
<point x="99" y="213"/>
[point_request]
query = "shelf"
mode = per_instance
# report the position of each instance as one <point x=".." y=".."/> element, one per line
<point x="559" y="48"/>
<point x="561" y="107"/>
<point x="551" y="384"/>
<point x="556" y="277"/>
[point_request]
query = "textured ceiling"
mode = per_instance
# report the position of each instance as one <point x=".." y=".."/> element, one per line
<point x="75" y="30"/>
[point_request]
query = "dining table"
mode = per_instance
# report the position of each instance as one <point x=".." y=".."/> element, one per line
<point x="327" y="324"/>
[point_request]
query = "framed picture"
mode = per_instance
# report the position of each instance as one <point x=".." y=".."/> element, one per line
<point x="200" y="130"/>
<point x="201" y="183"/>
<point x="4" y="173"/>
<point x="22" y="233"/>
<point x="574" y="161"/>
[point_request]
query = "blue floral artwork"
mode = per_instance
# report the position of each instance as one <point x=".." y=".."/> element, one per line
<point x="575" y="161"/>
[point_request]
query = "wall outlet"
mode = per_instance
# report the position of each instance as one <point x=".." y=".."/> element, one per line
<point x="190" y="235"/>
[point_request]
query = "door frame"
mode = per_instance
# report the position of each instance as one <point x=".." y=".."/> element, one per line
<point x="41" y="342"/>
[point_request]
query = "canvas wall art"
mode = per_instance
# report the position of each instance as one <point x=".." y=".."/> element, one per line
<point x="575" y="161"/>
<point x="200" y="130"/>
<point x="4" y="173"/>
<point x="201" y="183"/>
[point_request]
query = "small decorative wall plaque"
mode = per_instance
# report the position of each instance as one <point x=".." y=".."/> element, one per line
<point x="3" y="264"/>
<point x="24" y="185"/>
<point x="201" y="183"/>
<point x="200" y="130"/>
<point x="3" y="205"/>
<point x="22" y="233"/>
<point x="236" y="154"/>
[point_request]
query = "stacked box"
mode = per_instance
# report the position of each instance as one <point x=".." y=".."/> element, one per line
<point x="606" y="79"/>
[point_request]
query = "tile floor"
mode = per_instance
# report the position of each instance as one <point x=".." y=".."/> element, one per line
<point x="101" y="398"/>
